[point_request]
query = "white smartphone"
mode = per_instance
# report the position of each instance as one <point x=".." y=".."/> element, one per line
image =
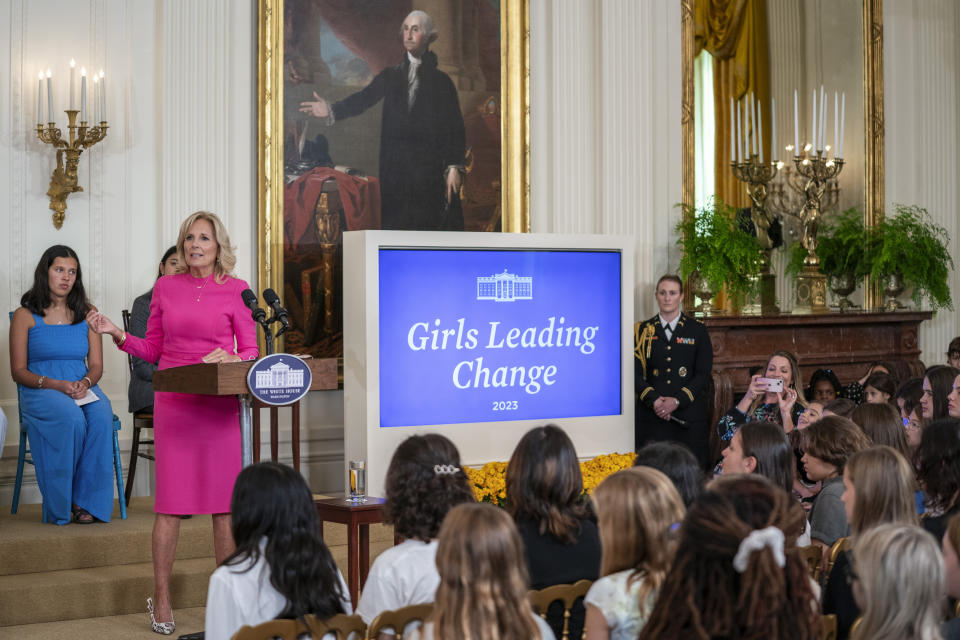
<point x="773" y="384"/>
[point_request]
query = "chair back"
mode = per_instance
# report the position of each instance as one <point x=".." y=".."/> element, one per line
<point x="126" y="327"/>
<point x="828" y="626"/>
<point x="566" y="594"/>
<point x="812" y="555"/>
<point x="398" y="620"/>
<point x="841" y="545"/>
<point x="341" y="625"/>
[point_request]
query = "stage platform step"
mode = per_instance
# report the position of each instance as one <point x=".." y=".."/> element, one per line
<point x="50" y="573"/>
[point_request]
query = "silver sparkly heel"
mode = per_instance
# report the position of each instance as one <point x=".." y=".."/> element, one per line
<point x="166" y="628"/>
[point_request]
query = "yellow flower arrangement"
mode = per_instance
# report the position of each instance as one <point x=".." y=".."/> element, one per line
<point x="490" y="485"/>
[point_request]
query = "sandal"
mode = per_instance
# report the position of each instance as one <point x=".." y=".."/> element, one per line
<point x="82" y="516"/>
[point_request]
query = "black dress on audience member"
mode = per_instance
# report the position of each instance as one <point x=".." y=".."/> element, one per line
<point x="550" y="561"/>
<point x="937" y="525"/>
<point x="838" y="596"/>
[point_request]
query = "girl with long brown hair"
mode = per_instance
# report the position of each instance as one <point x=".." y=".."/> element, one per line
<point x="483" y="580"/>
<point x="638" y="510"/>
<point x="737" y="572"/>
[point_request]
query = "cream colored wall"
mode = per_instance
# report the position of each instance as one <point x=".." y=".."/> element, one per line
<point x="921" y="56"/>
<point x="605" y="147"/>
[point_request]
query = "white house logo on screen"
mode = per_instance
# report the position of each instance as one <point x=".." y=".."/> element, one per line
<point x="279" y="378"/>
<point x="504" y="287"/>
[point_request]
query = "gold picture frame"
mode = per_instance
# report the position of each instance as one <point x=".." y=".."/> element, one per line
<point x="514" y="130"/>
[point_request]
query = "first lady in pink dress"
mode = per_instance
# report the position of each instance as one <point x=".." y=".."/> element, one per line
<point x="195" y="316"/>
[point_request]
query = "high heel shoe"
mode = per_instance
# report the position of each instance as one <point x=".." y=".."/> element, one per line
<point x="166" y="628"/>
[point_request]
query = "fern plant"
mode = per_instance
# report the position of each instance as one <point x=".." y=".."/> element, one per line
<point x="718" y="249"/>
<point x="843" y="246"/>
<point x="911" y="244"/>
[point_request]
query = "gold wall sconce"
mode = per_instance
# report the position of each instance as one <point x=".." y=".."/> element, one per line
<point x="64" y="180"/>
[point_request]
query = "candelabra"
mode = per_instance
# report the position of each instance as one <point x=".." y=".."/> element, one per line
<point x="757" y="175"/>
<point x="811" y="283"/>
<point x="787" y="195"/>
<point x="63" y="182"/>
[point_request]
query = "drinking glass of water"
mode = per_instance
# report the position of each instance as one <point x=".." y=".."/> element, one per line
<point x="358" y="481"/>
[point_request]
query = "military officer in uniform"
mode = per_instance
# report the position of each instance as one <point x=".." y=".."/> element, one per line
<point x="672" y="362"/>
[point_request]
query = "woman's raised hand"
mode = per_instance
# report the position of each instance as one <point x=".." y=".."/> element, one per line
<point x="757" y="388"/>
<point x="101" y="324"/>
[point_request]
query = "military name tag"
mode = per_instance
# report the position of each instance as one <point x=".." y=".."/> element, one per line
<point x="682" y="371"/>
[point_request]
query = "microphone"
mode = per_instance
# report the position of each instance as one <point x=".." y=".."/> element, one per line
<point x="273" y="301"/>
<point x="250" y="299"/>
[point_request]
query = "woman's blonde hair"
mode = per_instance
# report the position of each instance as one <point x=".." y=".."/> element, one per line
<point x="226" y="259"/>
<point x="638" y="510"/>
<point x="483" y="577"/>
<point x="901" y="576"/>
<point x="885" y="486"/>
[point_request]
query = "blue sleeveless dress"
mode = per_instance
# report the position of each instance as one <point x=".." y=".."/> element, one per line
<point x="72" y="446"/>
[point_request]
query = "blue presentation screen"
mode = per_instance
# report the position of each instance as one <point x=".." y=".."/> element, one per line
<point x="473" y="335"/>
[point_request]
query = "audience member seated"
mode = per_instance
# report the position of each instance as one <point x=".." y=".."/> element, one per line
<point x="56" y="359"/>
<point x="281" y="568"/>
<point x="763" y="448"/>
<point x="938" y="469"/>
<point x="140" y="389"/>
<point x="953" y="353"/>
<point x="811" y="413"/>
<point x="880" y="387"/>
<point x="951" y="563"/>
<point x="824" y="386"/>
<point x="678" y="463"/>
<point x="483" y="580"/>
<point x="882" y="424"/>
<point x="559" y="532"/>
<point x="899" y="583"/>
<point x="639" y="511"/>
<point x="737" y="572"/>
<point x="827" y="445"/>
<point x="908" y="396"/>
<point x="937" y="385"/>
<point x="855" y="390"/>
<point x="879" y="487"/>
<point x="842" y="407"/>
<point x="783" y="408"/>
<point x="424" y="481"/>
<point x="953" y="399"/>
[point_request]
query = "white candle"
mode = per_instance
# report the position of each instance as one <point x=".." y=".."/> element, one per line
<point x="739" y="138"/>
<point x="813" y="121"/>
<point x="103" y="97"/>
<point x="773" y="126"/>
<point x="96" y="101"/>
<point x="823" y="117"/>
<point x="40" y="99"/>
<point x="843" y="108"/>
<point x="83" y="94"/>
<point x="796" y="126"/>
<point x="50" y="95"/>
<point x="760" y="131"/>
<point x="73" y="98"/>
<point x="733" y="151"/>
<point x="836" y="122"/>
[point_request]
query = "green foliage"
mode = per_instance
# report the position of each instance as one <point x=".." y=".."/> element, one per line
<point x="843" y="246"/>
<point x="912" y="244"/>
<point x="719" y="250"/>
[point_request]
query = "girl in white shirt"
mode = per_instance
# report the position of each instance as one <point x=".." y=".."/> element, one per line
<point x="281" y="568"/>
<point x="424" y="480"/>
<point x="483" y="580"/>
<point x="638" y="511"/>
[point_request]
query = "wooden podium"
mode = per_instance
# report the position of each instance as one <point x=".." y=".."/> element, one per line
<point x="230" y="378"/>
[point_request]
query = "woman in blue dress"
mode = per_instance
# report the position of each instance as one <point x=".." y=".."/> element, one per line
<point x="56" y="360"/>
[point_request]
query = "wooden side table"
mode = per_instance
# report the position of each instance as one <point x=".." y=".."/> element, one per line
<point x="358" y="517"/>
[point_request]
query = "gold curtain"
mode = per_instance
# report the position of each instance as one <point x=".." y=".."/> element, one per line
<point x="735" y="34"/>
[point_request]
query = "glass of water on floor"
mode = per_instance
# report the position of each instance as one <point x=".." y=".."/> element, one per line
<point x="358" y="481"/>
